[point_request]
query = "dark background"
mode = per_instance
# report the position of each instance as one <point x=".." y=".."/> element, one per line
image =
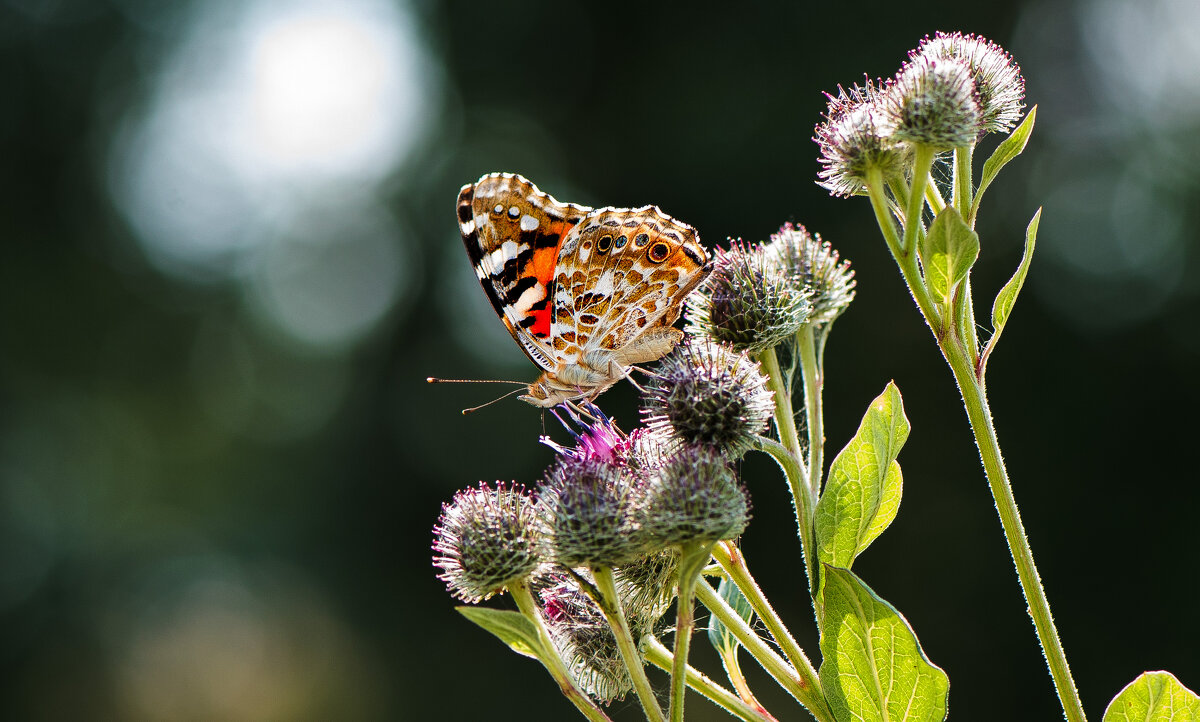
<point x="230" y="260"/>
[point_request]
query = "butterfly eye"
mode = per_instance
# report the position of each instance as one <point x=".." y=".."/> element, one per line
<point x="620" y="242"/>
<point x="658" y="252"/>
<point x="641" y="240"/>
<point x="604" y="244"/>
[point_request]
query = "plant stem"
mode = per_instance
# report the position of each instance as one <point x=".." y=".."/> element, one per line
<point x="785" y="417"/>
<point x="733" y="562"/>
<point x="963" y="184"/>
<point x="693" y="557"/>
<point x="814" y="382"/>
<point x="610" y="604"/>
<point x="733" y="671"/>
<point x="974" y="397"/>
<point x="793" y="682"/>
<point x="661" y="657"/>
<point x="802" y="499"/>
<point x="922" y="163"/>
<point x="550" y="659"/>
<point x="906" y="258"/>
<point x="791" y="460"/>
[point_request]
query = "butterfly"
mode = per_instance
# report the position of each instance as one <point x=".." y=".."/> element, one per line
<point x="585" y="292"/>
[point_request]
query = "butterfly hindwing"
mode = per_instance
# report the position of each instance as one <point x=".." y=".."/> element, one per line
<point x="622" y="272"/>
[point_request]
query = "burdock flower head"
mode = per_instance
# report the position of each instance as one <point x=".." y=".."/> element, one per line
<point x="486" y="539"/>
<point x="933" y="102"/>
<point x="853" y="141"/>
<point x="998" y="80"/>
<point x="746" y="301"/>
<point x="707" y="394"/>
<point x="815" y="266"/>
<point x="588" y="508"/>
<point x="696" y="498"/>
<point x="584" y="640"/>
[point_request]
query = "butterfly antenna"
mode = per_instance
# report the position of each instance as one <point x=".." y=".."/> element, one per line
<point x="476" y="408"/>
<point x="434" y="380"/>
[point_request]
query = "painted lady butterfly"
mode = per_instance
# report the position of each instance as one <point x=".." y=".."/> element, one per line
<point x="586" y="293"/>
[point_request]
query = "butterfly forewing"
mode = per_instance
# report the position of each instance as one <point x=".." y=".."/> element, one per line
<point x="512" y="232"/>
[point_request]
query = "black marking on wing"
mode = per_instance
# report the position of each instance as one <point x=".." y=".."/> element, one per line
<point x="691" y="253"/>
<point x="512" y="268"/>
<point x="513" y="294"/>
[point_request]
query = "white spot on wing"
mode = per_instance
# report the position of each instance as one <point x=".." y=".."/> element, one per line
<point x="531" y="296"/>
<point x="468" y="227"/>
<point x="495" y="260"/>
<point x="528" y="223"/>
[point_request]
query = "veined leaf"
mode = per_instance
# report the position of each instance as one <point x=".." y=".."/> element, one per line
<point x="862" y="495"/>
<point x="873" y="668"/>
<point x="948" y="251"/>
<point x="1008" y="149"/>
<point x="1154" y="697"/>
<point x="1007" y="297"/>
<point x="511" y="627"/>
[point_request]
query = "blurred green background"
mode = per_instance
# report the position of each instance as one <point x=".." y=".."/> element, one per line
<point x="230" y="260"/>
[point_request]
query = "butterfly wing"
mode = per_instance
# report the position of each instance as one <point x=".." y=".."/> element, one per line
<point x="621" y="273"/>
<point x="513" y="233"/>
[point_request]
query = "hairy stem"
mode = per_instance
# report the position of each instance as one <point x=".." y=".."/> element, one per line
<point x="733" y="563"/>
<point x="814" y="382"/>
<point x="803" y="500"/>
<point x="796" y="684"/>
<point x="693" y="558"/>
<point x="610" y="604"/>
<point x="975" y="399"/>
<point x="550" y="659"/>
<point x="661" y="657"/>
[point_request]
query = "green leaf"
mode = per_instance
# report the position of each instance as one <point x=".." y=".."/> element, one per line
<point x="1008" y="149"/>
<point x="863" y="492"/>
<point x="511" y="627"/>
<point x="1007" y="297"/>
<point x="718" y="634"/>
<point x="873" y="667"/>
<point x="1154" y="697"/>
<point x="948" y="251"/>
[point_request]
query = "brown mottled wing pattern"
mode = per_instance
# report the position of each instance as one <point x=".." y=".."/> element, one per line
<point x="512" y="232"/>
<point x="620" y="273"/>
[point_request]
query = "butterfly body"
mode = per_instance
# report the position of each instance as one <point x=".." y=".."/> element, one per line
<point x="585" y="292"/>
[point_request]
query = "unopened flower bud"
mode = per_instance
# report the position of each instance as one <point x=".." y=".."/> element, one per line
<point x="647" y="586"/>
<point x="486" y="539"/>
<point x="746" y="301"/>
<point x="815" y="266"/>
<point x="585" y="641"/>
<point x="998" y="80"/>
<point x="708" y="394"/>
<point x="853" y="142"/>
<point x="933" y="102"/>
<point x="696" y="498"/>
<point x="588" y="507"/>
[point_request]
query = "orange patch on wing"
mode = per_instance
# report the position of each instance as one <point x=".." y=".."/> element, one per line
<point x="543" y="263"/>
